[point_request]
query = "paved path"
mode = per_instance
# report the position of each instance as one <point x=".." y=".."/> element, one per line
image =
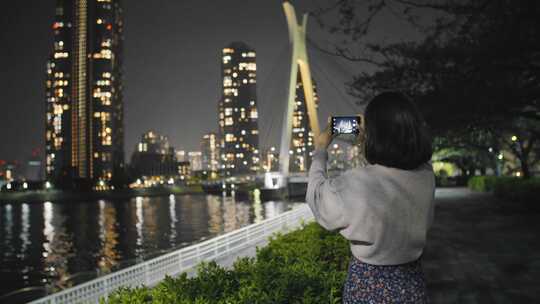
<point x="482" y="250"/>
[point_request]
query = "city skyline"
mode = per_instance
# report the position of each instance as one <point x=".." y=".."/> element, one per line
<point x="164" y="77"/>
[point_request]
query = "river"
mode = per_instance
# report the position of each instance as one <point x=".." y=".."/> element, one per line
<point x="49" y="246"/>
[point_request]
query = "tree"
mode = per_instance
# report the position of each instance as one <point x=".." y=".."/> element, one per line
<point x="475" y="72"/>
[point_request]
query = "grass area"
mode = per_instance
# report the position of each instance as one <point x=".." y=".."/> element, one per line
<point x="308" y="265"/>
<point x="512" y="188"/>
<point x="57" y="195"/>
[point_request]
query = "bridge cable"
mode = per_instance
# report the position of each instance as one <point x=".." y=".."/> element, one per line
<point x="351" y="104"/>
<point x="265" y="96"/>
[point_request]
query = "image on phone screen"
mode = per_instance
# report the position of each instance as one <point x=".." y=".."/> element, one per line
<point x="345" y="124"/>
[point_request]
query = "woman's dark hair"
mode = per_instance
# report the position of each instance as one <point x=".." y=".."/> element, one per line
<point x="396" y="134"/>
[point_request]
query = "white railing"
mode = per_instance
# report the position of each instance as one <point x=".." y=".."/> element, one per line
<point x="153" y="271"/>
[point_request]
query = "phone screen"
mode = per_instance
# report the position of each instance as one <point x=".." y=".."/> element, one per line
<point x="345" y="124"/>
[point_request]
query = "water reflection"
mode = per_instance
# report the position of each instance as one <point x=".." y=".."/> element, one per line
<point x="257" y="206"/>
<point x="140" y="220"/>
<point x="8" y="228"/>
<point x="58" y="248"/>
<point x="173" y="220"/>
<point x="25" y="223"/>
<point x="108" y="255"/>
<point x="273" y="208"/>
<point x="57" y="245"/>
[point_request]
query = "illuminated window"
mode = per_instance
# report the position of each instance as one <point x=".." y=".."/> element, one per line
<point x="229" y="137"/>
<point x="228" y="111"/>
<point x="227" y="81"/>
<point x="229" y="121"/>
<point x="254" y="114"/>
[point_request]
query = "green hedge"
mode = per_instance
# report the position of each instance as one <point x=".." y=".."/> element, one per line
<point x="512" y="188"/>
<point x="482" y="183"/>
<point x="308" y="265"/>
<point x="518" y="189"/>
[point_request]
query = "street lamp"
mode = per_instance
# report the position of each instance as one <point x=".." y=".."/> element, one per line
<point x="514" y="138"/>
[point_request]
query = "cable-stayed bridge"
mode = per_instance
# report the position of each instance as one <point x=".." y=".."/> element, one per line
<point x="301" y="71"/>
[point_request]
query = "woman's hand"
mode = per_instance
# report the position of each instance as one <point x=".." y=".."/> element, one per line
<point x="323" y="140"/>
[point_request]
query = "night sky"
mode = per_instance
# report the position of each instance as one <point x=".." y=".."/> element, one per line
<point x="172" y="67"/>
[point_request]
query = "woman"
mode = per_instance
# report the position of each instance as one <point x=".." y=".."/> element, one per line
<point x="385" y="208"/>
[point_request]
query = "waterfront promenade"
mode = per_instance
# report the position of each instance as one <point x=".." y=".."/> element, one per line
<point x="480" y="249"/>
<point x="483" y="250"/>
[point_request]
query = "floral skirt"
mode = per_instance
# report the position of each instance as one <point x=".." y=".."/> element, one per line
<point x="368" y="283"/>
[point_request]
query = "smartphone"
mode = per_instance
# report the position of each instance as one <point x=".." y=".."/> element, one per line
<point x="345" y="124"/>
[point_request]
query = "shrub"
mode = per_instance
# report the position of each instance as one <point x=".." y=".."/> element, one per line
<point x="308" y="265"/>
<point x="482" y="183"/>
<point x="517" y="189"/>
<point x="512" y="188"/>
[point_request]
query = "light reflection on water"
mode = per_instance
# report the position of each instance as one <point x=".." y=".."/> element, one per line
<point x="58" y="245"/>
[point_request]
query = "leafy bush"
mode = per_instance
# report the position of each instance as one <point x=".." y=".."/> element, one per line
<point x="482" y="183"/>
<point x="308" y="265"/>
<point x="512" y="188"/>
<point x="517" y="189"/>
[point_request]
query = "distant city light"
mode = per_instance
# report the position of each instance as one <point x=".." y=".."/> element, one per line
<point x="48" y="185"/>
<point x="25" y="185"/>
<point x="514" y="138"/>
<point x="8" y="186"/>
<point x="500" y="156"/>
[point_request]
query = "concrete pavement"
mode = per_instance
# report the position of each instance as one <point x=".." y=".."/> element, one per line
<point x="483" y="250"/>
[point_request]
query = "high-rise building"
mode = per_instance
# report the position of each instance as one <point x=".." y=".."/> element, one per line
<point x="270" y="161"/>
<point x="302" y="137"/>
<point x="210" y="153"/>
<point x="181" y="155"/>
<point x="195" y="160"/>
<point x="238" y="116"/>
<point x="154" y="157"/>
<point x="337" y="158"/>
<point x="84" y="124"/>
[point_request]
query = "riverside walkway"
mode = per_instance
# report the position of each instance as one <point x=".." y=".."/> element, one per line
<point x="483" y="250"/>
<point x="480" y="249"/>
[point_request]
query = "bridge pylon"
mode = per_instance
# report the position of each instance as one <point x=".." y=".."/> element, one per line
<point x="299" y="63"/>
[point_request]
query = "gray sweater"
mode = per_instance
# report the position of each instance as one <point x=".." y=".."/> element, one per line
<point x="384" y="212"/>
